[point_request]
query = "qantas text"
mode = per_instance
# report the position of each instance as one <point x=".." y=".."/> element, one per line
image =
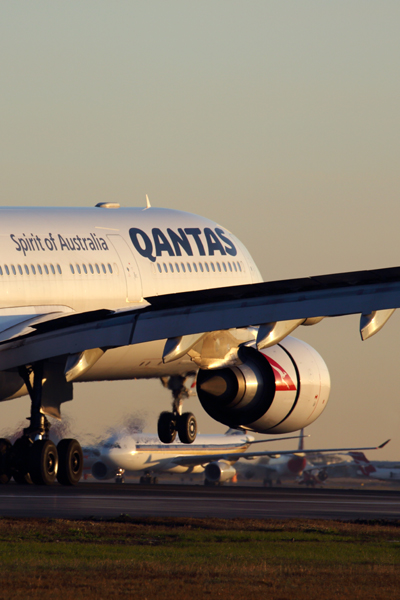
<point x="208" y="242"/>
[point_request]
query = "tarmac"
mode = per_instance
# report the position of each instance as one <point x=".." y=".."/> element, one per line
<point x="102" y="500"/>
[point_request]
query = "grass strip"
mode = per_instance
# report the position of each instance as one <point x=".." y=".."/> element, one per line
<point x="197" y="558"/>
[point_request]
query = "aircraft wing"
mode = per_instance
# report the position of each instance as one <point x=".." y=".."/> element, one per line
<point x="203" y="459"/>
<point x="171" y="316"/>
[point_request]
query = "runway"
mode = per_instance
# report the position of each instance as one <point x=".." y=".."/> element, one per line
<point x="109" y="500"/>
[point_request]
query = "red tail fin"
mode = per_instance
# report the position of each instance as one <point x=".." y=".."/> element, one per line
<point x="362" y="461"/>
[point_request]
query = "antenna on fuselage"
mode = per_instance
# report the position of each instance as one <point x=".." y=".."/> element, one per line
<point x="148" y="205"/>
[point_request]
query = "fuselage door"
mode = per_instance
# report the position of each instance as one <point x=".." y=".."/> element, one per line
<point x="129" y="267"/>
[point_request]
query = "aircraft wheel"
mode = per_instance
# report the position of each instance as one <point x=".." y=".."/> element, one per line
<point x="70" y="462"/>
<point x="43" y="462"/>
<point x="5" y="467"/>
<point x="22" y="478"/>
<point x="166" y="427"/>
<point x="19" y="459"/>
<point x="187" y="428"/>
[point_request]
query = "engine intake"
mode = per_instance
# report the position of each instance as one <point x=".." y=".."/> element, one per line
<point x="276" y="390"/>
<point x="219" y="471"/>
<point x="101" y="471"/>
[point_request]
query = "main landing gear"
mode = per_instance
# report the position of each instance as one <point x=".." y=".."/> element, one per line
<point x="34" y="458"/>
<point x="171" y="423"/>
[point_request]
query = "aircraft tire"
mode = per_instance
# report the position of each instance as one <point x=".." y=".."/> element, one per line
<point x="5" y="467"/>
<point x="43" y="462"/>
<point x="22" y="478"/>
<point x="187" y="428"/>
<point x="70" y="462"/>
<point x="166" y="427"/>
<point x="19" y="459"/>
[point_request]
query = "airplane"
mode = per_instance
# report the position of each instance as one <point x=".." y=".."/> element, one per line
<point x="215" y="455"/>
<point x="124" y="453"/>
<point x="289" y="465"/>
<point x="111" y="293"/>
<point x="295" y="465"/>
<point x="369" y="469"/>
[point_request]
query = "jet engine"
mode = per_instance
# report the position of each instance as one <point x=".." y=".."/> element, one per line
<point x="219" y="471"/>
<point x="276" y="390"/>
<point x="102" y="472"/>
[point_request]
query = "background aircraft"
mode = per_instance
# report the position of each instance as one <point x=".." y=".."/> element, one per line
<point x="298" y="466"/>
<point x="215" y="455"/>
<point x="372" y="470"/>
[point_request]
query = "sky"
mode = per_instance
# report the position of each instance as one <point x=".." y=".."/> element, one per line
<point x="279" y="120"/>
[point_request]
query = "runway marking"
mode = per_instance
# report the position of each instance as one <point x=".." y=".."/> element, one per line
<point x="359" y="501"/>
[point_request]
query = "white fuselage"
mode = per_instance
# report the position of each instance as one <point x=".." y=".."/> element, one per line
<point x="381" y="473"/>
<point x="145" y="452"/>
<point x="273" y="468"/>
<point x="78" y="260"/>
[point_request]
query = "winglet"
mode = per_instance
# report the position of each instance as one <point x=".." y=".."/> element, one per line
<point x="148" y="205"/>
<point x="384" y="444"/>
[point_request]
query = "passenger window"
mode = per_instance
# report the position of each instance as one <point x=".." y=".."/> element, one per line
<point x="159" y="267"/>
<point x="13" y="270"/>
<point x="1" y="271"/>
<point x="84" y="268"/>
<point x="183" y="267"/>
<point x="103" y="267"/>
<point x="212" y="267"/>
<point x="171" y="268"/>
<point x="165" y="267"/>
<point x="109" y="268"/>
<point x="26" y="269"/>
<point x="189" y="268"/>
<point x="46" y="270"/>
<point x="195" y="267"/>
<point x="97" y="268"/>
<point x="234" y="266"/>
<point x="201" y="267"/>
<point x="219" y="267"/>
<point x="207" y="268"/>
<point x="230" y="266"/>
<point x="72" y="269"/>
<point x="177" y="267"/>
<point x="59" y="269"/>
<point x="52" y="269"/>
<point x="20" y="269"/>
<point x="239" y="267"/>
<point x="91" y="269"/>
<point x="78" y="268"/>
<point x="33" y="269"/>
<point x="224" y="266"/>
<point x="7" y="269"/>
<point x="39" y="268"/>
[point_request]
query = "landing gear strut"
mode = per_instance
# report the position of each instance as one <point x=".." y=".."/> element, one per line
<point x="34" y="458"/>
<point x="171" y="423"/>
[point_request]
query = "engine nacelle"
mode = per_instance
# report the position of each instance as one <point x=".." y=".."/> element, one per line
<point x="219" y="471"/>
<point x="102" y="472"/>
<point x="275" y="390"/>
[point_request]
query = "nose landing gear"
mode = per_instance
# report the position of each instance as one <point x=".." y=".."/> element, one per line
<point x="171" y="423"/>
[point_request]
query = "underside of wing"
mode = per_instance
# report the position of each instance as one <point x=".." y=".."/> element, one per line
<point x="275" y="308"/>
